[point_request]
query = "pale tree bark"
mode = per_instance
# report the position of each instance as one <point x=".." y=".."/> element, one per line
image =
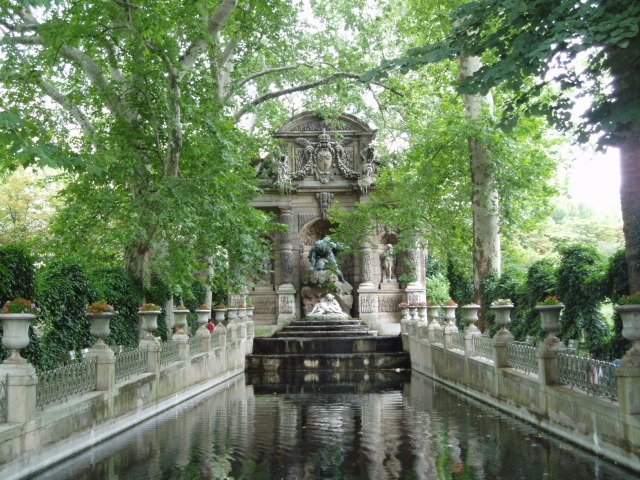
<point x="630" y="203"/>
<point x="485" y="199"/>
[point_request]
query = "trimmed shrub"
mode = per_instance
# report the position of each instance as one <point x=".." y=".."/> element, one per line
<point x="580" y="288"/>
<point x="16" y="273"/>
<point x="113" y="285"/>
<point x="540" y="283"/>
<point x="158" y="293"/>
<point x="63" y="291"/>
<point x="508" y="285"/>
<point x="615" y="285"/>
<point x="16" y="281"/>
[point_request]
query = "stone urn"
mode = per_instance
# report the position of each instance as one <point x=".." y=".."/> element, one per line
<point x="149" y="320"/>
<point x="250" y="313"/>
<point x="181" y="321"/>
<point x="422" y="314"/>
<point x="202" y="317"/>
<point x="218" y="315"/>
<point x="550" y="323"/>
<point x="630" y="315"/>
<point x="100" y="327"/>
<point x="242" y="314"/>
<point x="470" y="317"/>
<point x="503" y="318"/>
<point x="232" y="315"/>
<point x="413" y="313"/>
<point x="15" y="334"/>
<point x="450" y="318"/>
<point x="404" y="312"/>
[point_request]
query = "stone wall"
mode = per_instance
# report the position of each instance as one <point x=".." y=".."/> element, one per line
<point x="63" y="429"/>
<point x="595" y="423"/>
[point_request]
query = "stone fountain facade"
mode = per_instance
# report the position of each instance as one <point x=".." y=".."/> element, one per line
<point x="323" y="162"/>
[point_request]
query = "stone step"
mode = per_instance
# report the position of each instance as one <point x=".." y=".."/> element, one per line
<point x="318" y="328"/>
<point x="345" y="362"/>
<point x="325" y="345"/>
<point x="302" y="323"/>
<point x="325" y="334"/>
<point x="326" y="381"/>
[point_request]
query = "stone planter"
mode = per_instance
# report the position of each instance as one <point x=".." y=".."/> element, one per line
<point x="404" y="312"/>
<point x="503" y="318"/>
<point x="250" y="313"/>
<point x="450" y="318"/>
<point x="202" y="317"/>
<point x="413" y="313"/>
<point x="180" y="317"/>
<point x="15" y="334"/>
<point x="630" y="315"/>
<point x="232" y="315"/>
<point x="149" y="325"/>
<point x="550" y="323"/>
<point x="470" y="317"/>
<point x="242" y="314"/>
<point x="100" y="327"/>
<point x="218" y="314"/>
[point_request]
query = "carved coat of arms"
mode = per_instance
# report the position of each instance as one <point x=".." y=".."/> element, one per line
<point x="322" y="157"/>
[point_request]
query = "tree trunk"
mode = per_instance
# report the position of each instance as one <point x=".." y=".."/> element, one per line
<point x="630" y="202"/>
<point x="135" y="262"/>
<point x="485" y="199"/>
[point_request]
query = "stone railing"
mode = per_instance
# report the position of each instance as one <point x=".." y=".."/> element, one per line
<point x="168" y="352"/>
<point x="109" y="391"/>
<point x="73" y="379"/>
<point x="523" y="357"/>
<point x="600" y="410"/>
<point x="592" y="376"/>
<point x="457" y="341"/>
<point x="131" y="362"/>
<point x="195" y="345"/>
<point x="483" y="347"/>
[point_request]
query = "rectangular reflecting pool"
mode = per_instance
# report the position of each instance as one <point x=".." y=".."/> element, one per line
<point x="395" y="426"/>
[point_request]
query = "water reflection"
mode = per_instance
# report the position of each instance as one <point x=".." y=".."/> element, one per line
<point x="389" y="429"/>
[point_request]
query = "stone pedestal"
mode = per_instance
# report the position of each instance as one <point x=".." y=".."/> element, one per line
<point x="286" y="304"/>
<point x="21" y="391"/>
<point x="153" y="357"/>
<point x="105" y="367"/>
<point x="183" y="347"/>
<point x="368" y="305"/>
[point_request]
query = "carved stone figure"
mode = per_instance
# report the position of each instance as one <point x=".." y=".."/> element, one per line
<point x="328" y="306"/>
<point x="322" y="256"/>
<point x="368" y="171"/>
<point x="325" y="199"/>
<point x="388" y="263"/>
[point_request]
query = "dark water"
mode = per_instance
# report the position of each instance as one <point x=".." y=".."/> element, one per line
<point x="387" y="429"/>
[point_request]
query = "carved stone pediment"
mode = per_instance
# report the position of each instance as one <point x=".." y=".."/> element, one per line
<point x="314" y="149"/>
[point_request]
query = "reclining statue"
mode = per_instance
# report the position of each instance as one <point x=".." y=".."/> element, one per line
<point x="328" y="306"/>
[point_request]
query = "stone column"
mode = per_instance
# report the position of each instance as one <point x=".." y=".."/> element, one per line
<point x="628" y="372"/>
<point x="451" y="327"/>
<point x="503" y="336"/>
<point x="470" y="315"/>
<point x="367" y="300"/>
<point x="21" y="390"/>
<point x="153" y="357"/>
<point x="434" y="324"/>
<point x="286" y="290"/>
<point x="105" y="369"/>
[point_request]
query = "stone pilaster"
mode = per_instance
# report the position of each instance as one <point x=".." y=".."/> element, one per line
<point x="21" y="391"/>
<point x="286" y="304"/>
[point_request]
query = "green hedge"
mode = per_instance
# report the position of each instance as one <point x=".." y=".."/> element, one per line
<point x="113" y="284"/>
<point x="63" y="291"/>
<point x="16" y="280"/>
<point x="16" y="273"/>
<point x="580" y="276"/>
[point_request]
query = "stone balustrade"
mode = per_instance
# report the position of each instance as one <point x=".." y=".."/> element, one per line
<point x="574" y="397"/>
<point x="108" y="392"/>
